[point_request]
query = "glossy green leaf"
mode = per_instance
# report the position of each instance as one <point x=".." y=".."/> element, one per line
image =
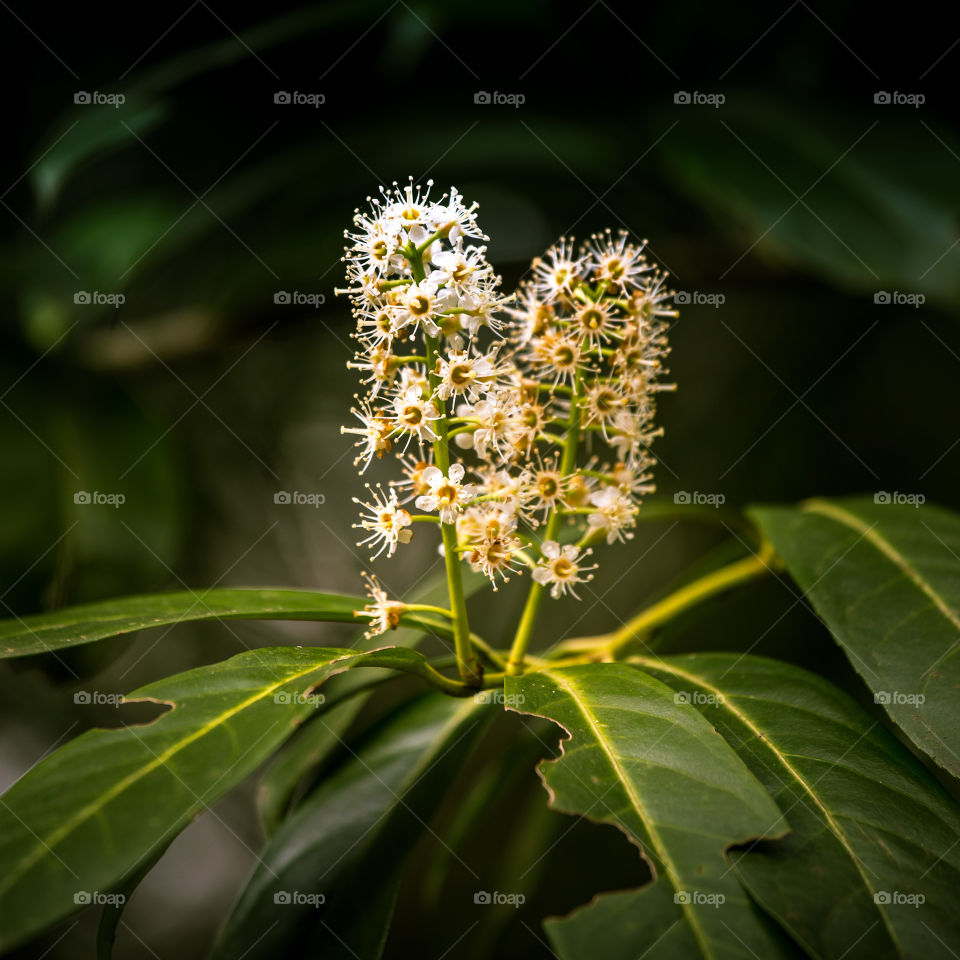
<point x="348" y="841"/>
<point x="885" y="577"/>
<point x="653" y="767"/>
<point x="86" y="816"/>
<point x="44" y="632"/>
<point x="315" y="741"/>
<point x="871" y="829"/>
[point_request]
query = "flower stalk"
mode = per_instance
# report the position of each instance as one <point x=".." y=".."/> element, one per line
<point x="619" y="643"/>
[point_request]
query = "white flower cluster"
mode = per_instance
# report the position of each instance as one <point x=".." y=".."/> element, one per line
<point x="546" y="398"/>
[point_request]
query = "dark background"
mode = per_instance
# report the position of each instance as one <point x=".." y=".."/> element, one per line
<point x="797" y="201"/>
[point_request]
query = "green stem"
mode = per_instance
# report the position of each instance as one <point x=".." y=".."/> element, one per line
<point x="469" y="668"/>
<point x="439" y="234"/>
<point x="531" y="609"/>
<point x="429" y="608"/>
<point x="454" y="688"/>
<point x="612" y="645"/>
<point x="693" y="593"/>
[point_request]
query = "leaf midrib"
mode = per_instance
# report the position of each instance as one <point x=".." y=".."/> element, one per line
<point x="576" y="695"/>
<point x="96" y="613"/>
<point x="95" y="806"/>
<point x="725" y="702"/>
<point x="869" y="533"/>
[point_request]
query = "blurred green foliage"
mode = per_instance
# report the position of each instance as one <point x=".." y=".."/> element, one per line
<point x="200" y="198"/>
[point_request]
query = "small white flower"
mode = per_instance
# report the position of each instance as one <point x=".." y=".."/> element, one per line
<point x="412" y="478"/>
<point x="547" y="487"/>
<point x="634" y="478"/>
<point x="557" y="354"/>
<point x="557" y="273"/>
<point x="387" y="522"/>
<point x="488" y="520"/>
<point x="384" y="613"/>
<point x="463" y="217"/>
<point x="651" y="300"/>
<point x="602" y="403"/>
<point x="374" y="433"/>
<point x="532" y="318"/>
<point x="562" y="567"/>
<point x="629" y="438"/>
<point x="495" y="556"/>
<point x="460" y="269"/>
<point x="617" y="263"/>
<point x="511" y="489"/>
<point x="446" y="495"/>
<point x="415" y="415"/>
<point x="615" y="513"/>
<point x="595" y="324"/>
<point x="497" y="416"/>
<point x="380" y="365"/>
<point x="464" y="374"/>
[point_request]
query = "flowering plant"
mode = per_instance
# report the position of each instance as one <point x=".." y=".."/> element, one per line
<point x="550" y="396"/>
<point x="759" y="795"/>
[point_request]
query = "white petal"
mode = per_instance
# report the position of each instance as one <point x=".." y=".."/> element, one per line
<point x="456" y="472"/>
<point x="433" y="477"/>
<point x="550" y="548"/>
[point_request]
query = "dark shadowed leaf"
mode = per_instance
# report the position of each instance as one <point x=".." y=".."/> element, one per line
<point x="349" y="839"/>
<point x="42" y="633"/>
<point x="84" y="818"/>
<point x="315" y="741"/>
<point x="872" y="831"/>
<point x="652" y="766"/>
<point x="885" y="578"/>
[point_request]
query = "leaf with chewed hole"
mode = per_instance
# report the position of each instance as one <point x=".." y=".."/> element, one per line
<point x="84" y="818"/>
<point x="648" y="763"/>
<point x="871" y="868"/>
